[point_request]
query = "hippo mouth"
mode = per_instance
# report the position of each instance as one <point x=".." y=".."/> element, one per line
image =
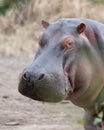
<point x="70" y="74"/>
<point x="71" y="83"/>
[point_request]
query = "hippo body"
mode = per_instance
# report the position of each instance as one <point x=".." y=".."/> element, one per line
<point x="69" y="66"/>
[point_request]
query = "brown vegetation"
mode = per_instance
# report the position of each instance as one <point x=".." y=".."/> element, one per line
<point x="20" y="27"/>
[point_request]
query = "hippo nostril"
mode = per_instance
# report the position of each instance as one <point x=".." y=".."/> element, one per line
<point x="41" y="77"/>
<point x="26" y="77"/>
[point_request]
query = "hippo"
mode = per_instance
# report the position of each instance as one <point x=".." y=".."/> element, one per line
<point x="68" y="65"/>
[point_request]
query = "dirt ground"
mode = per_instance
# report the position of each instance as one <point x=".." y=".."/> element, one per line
<point x="20" y="113"/>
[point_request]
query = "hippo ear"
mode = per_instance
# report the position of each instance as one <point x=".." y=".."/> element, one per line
<point x="45" y="23"/>
<point x="81" y="27"/>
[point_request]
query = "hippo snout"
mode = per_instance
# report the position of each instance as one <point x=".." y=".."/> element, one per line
<point x="43" y="86"/>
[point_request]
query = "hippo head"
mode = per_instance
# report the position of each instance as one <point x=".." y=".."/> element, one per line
<point x="59" y="67"/>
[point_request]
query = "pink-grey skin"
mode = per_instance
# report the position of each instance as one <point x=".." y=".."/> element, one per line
<point x="68" y="66"/>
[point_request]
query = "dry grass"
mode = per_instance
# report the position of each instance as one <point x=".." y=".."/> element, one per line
<point x="19" y="29"/>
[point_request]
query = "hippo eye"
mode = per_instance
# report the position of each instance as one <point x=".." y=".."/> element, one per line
<point x="68" y="44"/>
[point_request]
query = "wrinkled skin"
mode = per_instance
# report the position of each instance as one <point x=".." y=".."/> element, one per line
<point x="68" y="65"/>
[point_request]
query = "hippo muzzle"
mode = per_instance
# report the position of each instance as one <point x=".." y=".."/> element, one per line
<point x="44" y="79"/>
<point x="52" y="87"/>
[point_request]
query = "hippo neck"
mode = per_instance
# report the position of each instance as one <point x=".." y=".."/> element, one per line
<point x="91" y="98"/>
<point x="96" y="101"/>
